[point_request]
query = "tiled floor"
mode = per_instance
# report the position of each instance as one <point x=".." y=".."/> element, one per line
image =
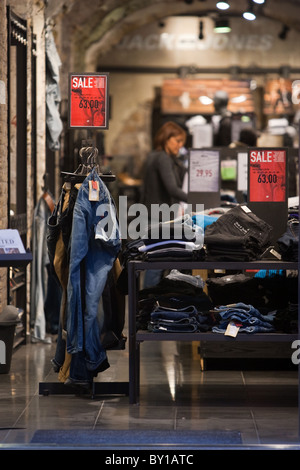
<point x="175" y="396"/>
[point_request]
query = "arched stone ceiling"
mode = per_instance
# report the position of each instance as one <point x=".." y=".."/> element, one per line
<point x="94" y="27"/>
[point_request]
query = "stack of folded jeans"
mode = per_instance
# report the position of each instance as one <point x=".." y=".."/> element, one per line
<point x="238" y="235"/>
<point x="288" y="242"/>
<point x="166" y="319"/>
<point x="176" y="291"/>
<point x="247" y="317"/>
<point x="181" y="320"/>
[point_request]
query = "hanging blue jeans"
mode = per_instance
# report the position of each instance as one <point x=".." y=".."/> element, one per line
<point x="95" y="244"/>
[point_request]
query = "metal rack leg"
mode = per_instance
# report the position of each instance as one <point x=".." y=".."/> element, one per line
<point x="133" y="347"/>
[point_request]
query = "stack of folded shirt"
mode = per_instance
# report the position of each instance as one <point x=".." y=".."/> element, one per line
<point x="179" y="239"/>
<point x="238" y="235"/>
<point x="246" y="317"/>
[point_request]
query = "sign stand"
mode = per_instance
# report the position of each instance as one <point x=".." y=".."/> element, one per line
<point x="204" y="177"/>
<point x="88" y="101"/>
<point x="267" y="187"/>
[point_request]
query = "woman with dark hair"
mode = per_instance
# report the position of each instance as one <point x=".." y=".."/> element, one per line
<point x="163" y="171"/>
<point x="162" y="180"/>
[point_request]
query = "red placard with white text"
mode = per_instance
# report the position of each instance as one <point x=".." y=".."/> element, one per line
<point x="88" y="100"/>
<point x="267" y="175"/>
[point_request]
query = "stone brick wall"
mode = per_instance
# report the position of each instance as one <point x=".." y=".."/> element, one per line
<point x="3" y="141"/>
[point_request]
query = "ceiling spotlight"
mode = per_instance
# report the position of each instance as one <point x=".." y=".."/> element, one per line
<point x="249" y="14"/>
<point x="223" y="5"/>
<point x="222" y="26"/>
<point x="260" y="2"/>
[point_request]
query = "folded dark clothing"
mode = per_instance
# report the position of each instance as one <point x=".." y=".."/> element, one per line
<point x="225" y="255"/>
<point x="170" y="230"/>
<point x="201" y="302"/>
<point x="286" y="320"/>
<point x="167" y="286"/>
<point x="267" y="293"/>
<point x="164" y="327"/>
<point x="239" y="222"/>
<point x="176" y="300"/>
<point x="173" y="313"/>
<point x="232" y="242"/>
<point x="175" y="253"/>
<point x="288" y="242"/>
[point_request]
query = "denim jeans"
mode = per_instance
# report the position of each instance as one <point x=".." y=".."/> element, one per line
<point x="248" y="316"/>
<point x="288" y="242"/>
<point x="174" y="327"/>
<point x="174" y="314"/>
<point x="152" y="277"/>
<point x="245" y="329"/>
<point x="241" y="309"/>
<point x="95" y="244"/>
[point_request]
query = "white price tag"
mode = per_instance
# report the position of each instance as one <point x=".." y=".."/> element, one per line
<point x="232" y="329"/>
<point x="93" y="190"/>
<point x="204" y="171"/>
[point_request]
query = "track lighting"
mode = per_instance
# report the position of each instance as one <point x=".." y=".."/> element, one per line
<point x="222" y="26"/>
<point x="249" y="14"/>
<point x="223" y="5"/>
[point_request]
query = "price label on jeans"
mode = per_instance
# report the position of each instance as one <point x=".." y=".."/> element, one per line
<point x="88" y="100"/>
<point x="267" y="175"/>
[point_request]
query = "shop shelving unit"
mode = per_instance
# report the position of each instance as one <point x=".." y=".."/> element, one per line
<point x="18" y="260"/>
<point x="137" y="337"/>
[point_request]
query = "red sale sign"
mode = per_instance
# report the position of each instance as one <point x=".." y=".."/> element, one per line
<point x="267" y="175"/>
<point x="88" y="100"/>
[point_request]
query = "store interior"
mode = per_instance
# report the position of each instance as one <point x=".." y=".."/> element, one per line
<point x="193" y="394"/>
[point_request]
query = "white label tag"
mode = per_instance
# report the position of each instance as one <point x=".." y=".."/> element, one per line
<point x="232" y="329"/>
<point x="93" y="190"/>
<point x="275" y="253"/>
<point x="246" y="209"/>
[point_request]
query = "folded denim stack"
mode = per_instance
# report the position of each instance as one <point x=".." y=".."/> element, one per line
<point x="238" y="235"/>
<point x="246" y="317"/>
<point x="288" y="242"/>
<point x="180" y="320"/>
<point x="176" y="292"/>
<point x="166" y="319"/>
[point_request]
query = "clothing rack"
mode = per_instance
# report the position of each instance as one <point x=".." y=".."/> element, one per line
<point x="88" y="154"/>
